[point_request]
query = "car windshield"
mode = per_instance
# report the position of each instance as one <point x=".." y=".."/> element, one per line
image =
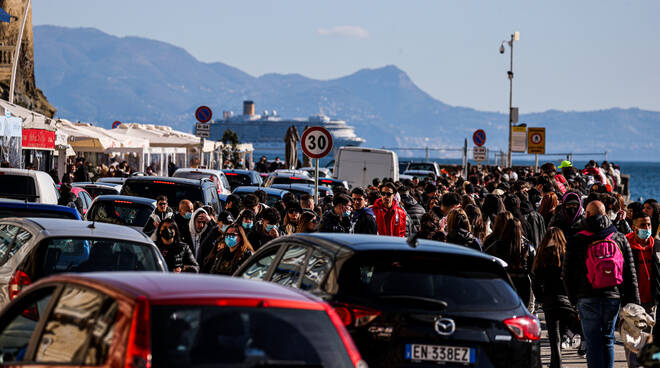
<point x="26" y="212"/>
<point x="97" y="191"/>
<point x="292" y="180"/>
<point x="18" y="187"/>
<point x="175" y="193"/>
<point x="69" y="254"/>
<point x="421" y="166"/>
<point x="237" y="180"/>
<point x="388" y="277"/>
<point x="210" y="336"/>
<point x="120" y="212"/>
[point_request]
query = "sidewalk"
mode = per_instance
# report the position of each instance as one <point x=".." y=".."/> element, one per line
<point x="570" y="358"/>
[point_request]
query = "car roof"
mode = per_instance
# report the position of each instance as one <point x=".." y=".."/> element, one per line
<point x="167" y="179"/>
<point x="301" y="187"/>
<point x="170" y="286"/>
<point x="36" y="206"/>
<point x="290" y="173"/>
<point x="419" y="172"/>
<point x="359" y="242"/>
<point x="63" y="227"/>
<point x="204" y="171"/>
<point x="117" y="197"/>
<point x="252" y="189"/>
<point x="104" y="184"/>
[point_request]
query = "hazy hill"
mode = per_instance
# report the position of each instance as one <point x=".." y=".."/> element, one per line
<point x="92" y="76"/>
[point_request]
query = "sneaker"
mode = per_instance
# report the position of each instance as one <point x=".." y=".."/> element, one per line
<point x="576" y="341"/>
<point x="565" y="343"/>
<point x="582" y="350"/>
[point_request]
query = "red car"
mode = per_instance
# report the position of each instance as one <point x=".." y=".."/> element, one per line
<point x="127" y="319"/>
<point x="85" y="198"/>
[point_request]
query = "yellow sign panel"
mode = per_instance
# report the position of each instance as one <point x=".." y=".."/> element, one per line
<point x="536" y="141"/>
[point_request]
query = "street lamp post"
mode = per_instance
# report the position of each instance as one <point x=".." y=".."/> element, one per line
<point x="514" y="37"/>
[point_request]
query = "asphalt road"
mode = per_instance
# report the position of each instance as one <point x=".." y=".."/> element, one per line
<point x="570" y="357"/>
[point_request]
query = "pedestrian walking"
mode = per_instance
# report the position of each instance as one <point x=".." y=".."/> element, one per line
<point x="178" y="256"/>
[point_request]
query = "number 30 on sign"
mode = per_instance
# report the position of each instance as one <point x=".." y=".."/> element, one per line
<point x="316" y="142"/>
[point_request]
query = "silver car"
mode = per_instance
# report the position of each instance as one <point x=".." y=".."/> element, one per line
<point x="33" y="248"/>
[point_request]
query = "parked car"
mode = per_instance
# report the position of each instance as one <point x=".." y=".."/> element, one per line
<point x="176" y="190"/>
<point x="15" y="208"/>
<point x="287" y="177"/>
<point x="425" y="166"/>
<point x="34" y="248"/>
<point x="324" y="172"/>
<point x="85" y="198"/>
<point x="134" y="319"/>
<point x="272" y="195"/>
<point x="98" y="188"/>
<point x="238" y="178"/>
<point x="333" y="183"/>
<point x="112" y="180"/>
<point x="122" y="210"/>
<point x="300" y="189"/>
<point x="29" y="185"/>
<point x="408" y="302"/>
<point x="216" y="176"/>
<point x="421" y="174"/>
<point x="360" y="165"/>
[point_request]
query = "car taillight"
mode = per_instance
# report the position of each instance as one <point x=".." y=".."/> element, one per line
<point x="18" y="282"/>
<point x="352" y="350"/>
<point x="524" y="328"/>
<point x="355" y="316"/>
<point x="138" y="353"/>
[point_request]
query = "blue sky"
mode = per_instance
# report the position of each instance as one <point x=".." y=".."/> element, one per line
<point x="572" y="55"/>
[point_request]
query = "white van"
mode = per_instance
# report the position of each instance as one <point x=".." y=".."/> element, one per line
<point x="31" y="185"/>
<point x="360" y="165"/>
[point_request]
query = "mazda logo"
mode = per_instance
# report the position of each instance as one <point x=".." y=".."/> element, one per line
<point x="445" y="326"/>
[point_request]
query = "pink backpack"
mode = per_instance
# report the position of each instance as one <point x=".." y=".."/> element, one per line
<point x="604" y="262"/>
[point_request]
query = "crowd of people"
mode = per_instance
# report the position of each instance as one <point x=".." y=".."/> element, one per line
<point x="547" y="226"/>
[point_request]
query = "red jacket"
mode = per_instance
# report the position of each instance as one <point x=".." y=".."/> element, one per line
<point x="391" y="221"/>
<point x="643" y="255"/>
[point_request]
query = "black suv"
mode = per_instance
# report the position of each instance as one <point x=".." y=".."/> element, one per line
<point x="408" y="303"/>
<point x="175" y="189"/>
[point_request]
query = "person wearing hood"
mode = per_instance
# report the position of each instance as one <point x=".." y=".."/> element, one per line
<point x="414" y="209"/>
<point x="568" y="214"/>
<point x="182" y="218"/>
<point x="197" y="225"/>
<point x="459" y="230"/>
<point x="390" y="218"/>
<point x="337" y="219"/>
<point x="178" y="256"/>
<point x="162" y="212"/>
<point x="599" y="306"/>
<point x="363" y="220"/>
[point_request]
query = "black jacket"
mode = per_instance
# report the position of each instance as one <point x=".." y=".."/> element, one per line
<point x="549" y="288"/>
<point x="464" y="238"/>
<point x="207" y="243"/>
<point x="535" y="228"/>
<point x="81" y="174"/>
<point x="414" y="210"/>
<point x="184" y="229"/>
<point x="331" y="223"/>
<point x="575" y="267"/>
<point x="178" y="254"/>
<point x="257" y="237"/>
<point x="227" y="262"/>
<point x="520" y="274"/>
<point x="364" y="222"/>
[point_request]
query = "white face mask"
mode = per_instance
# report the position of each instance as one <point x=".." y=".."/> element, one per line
<point x="612" y="215"/>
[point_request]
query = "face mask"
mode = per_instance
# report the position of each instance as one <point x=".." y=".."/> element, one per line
<point x="247" y="225"/>
<point x="187" y="215"/>
<point x="347" y="213"/>
<point x="643" y="234"/>
<point x="224" y="228"/>
<point x="231" y="241"/>
<point x="270" y="227"/>
<point x="167" y="234"/>
<point x="612" y="215"/>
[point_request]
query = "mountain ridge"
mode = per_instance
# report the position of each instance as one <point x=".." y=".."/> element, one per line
<point x="92" y="76"/>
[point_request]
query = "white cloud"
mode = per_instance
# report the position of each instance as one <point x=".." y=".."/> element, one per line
<point x="344" y="31"/>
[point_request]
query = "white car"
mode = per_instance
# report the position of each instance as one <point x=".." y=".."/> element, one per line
<point x="324" y="172"/>
<point x="30" y="185"/>
<point x="217" y="176"/>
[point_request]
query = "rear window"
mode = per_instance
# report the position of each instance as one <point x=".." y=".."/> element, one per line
<point x="120" y="212"/>
<point x="201" y="336"/>
<point x="291" y="180"/>
<point x="24" y="212"/>
<point x="238" y="180"/>
<point x="96" y="191"/>
<point x="271" y="199"/>
<point x="420" y="166"/>
<point x="18" y="187"/>
<point x="57" y="255"/>
<point x="418" y="280"/>
<point x="175" y="193"/>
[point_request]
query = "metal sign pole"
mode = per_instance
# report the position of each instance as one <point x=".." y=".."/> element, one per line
<point x="536" y="162"/>
<point x="316" y="183"/>
<point x="201" y="152"/>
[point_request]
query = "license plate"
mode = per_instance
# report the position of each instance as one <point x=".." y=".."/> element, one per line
<point x="441" y="354"/>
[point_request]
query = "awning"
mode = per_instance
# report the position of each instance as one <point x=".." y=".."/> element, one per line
<point x="164" y="136"/>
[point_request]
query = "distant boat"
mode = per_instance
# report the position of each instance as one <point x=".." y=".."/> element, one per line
<point x="266" y="132"/>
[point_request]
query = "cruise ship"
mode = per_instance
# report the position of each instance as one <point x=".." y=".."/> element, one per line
<point x="266" y="132"/>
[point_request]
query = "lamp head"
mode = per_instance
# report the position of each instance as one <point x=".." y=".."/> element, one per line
<point x="502" y="48"/>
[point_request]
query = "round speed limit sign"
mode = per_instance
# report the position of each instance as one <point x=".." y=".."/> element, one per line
<point x="537" y="138"/>
<point x="316" y="142"/>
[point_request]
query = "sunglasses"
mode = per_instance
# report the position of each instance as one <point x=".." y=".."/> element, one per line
<point x="162" y="204"/>
<point x="386" y="194"/>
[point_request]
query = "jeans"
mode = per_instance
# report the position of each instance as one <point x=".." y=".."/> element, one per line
<point x="598" y="317"/>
